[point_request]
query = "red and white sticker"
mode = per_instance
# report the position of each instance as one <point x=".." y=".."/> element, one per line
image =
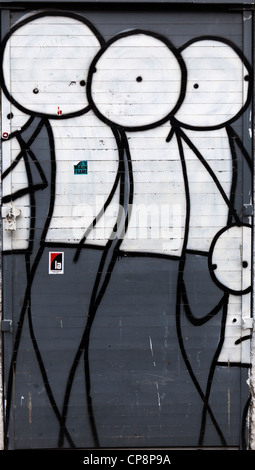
<point x="56" y="262"/>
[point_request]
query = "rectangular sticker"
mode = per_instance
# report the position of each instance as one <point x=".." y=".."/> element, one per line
<point x="56" y="262"/>
<point x="81" y="168"/>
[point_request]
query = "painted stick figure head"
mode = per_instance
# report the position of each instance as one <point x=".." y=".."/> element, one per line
<point x="229" y="259"/>
<point x="218" y="84"/>
<point x="137" y="81"/>
<point x="50" y="57"/>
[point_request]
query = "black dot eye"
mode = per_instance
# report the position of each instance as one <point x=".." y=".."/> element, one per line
<point x="214" y="266"/>
<point x="82" y="83"/>
<point x="234" y="320"/>
<point x="246" y="78"/>
<point x="139" y="79"/>
<point x="196" y="85"/>
<point x="9" y="116"/>
<point x="245" y="264"/>
<point x="35" y="91"/>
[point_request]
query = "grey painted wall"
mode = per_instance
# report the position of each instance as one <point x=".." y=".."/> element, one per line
<point x="138" y="341"/>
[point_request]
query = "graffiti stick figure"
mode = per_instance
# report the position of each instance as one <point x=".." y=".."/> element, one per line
<point x="127" y="104"/>
<point x="218" y="92"/>
<point x="54" y="91"/>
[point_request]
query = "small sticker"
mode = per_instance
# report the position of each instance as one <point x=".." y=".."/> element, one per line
<point x="81" y="168"/>
<point x="56" y="262"/>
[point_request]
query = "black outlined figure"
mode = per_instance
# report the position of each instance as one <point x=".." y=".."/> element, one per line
<point x="34" y="251"/>
<point x="50" y="95"/>
<point x="214" y="65"/>
<point x="127" y="101"/>
<point x="226" y="272"/>
<point x="79" y="241"/>
<point x="234" y="277"/>
<point x="14" y="125"/>
<point x="111" y="102"/>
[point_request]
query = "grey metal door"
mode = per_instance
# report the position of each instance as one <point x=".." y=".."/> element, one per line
<point x="127" y="206"/>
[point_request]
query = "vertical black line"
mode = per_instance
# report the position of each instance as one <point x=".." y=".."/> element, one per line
<point x="34" y="265"/>
<point x="126" y="197"/>
<point x="211" y="173"/>
<point x="186" y="184"/>
<point x="232" y="211"/>
<point x="45" y="378"/>
<point x="98" y="216"/>
<point x="103" y="276"/>
<point x="211" y="373"/>
<point x="181" y="290"/>
<point x="31" y="194"/>
<point x="186" y="360"/>
<point x="27" y="295"/>
<point x="233" y="136"/>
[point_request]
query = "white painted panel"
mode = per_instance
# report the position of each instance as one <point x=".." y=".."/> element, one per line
<point x="79" y="198"/>
<point x="200" y="182"/>
<point x="151" y="100"/>
<point x="157" y="219"/>
<point x="214" y="68"/>
<point x="56" y="70"/>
